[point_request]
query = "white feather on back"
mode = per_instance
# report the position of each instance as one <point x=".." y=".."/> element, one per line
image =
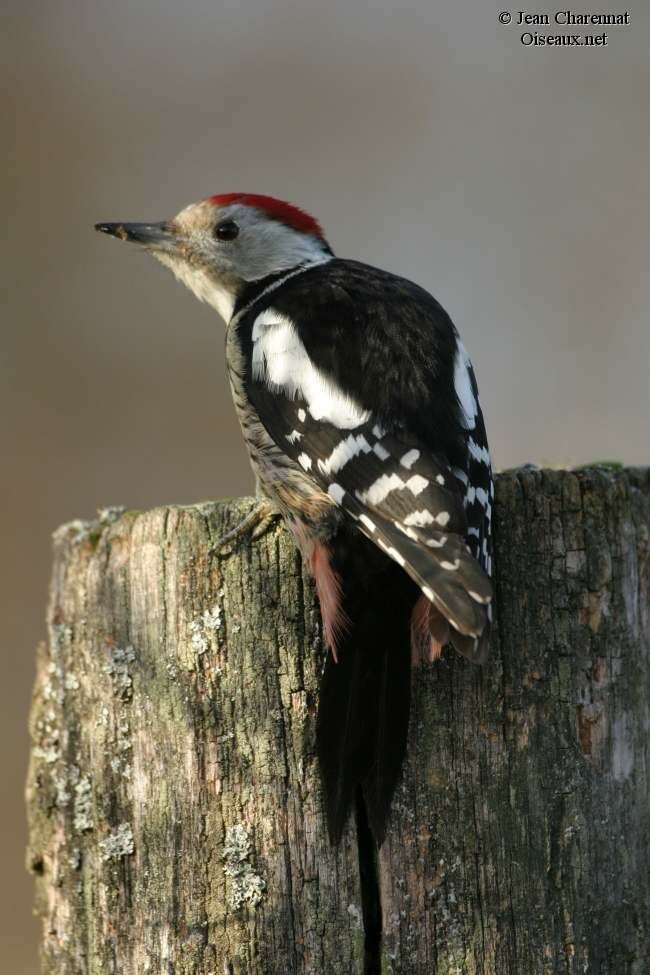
<point x="463" y="386"/>
<point x="281" y="361"/>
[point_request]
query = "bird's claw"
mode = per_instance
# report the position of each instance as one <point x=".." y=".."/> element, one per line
<point x="256" y="523"/>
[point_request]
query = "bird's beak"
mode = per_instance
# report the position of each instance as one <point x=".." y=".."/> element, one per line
<point x="156" y="235"/>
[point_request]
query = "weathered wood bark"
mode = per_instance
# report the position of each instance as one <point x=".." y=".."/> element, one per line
<point x="176" y="821"/>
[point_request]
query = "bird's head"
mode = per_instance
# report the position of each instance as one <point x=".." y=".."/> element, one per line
<point x="219" y="245"/>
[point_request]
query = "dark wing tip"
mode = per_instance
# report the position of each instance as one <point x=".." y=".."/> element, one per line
<point x="474" y="649"/>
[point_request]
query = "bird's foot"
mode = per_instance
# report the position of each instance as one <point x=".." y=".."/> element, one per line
<point x="258" y="521"/>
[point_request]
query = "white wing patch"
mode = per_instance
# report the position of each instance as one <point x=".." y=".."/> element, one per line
<point x="477" y="494"/>
<point x="417" y="484"/>
<point x="368" y="522"/>
<point x="344" y="452"/>
<point x="281" y="361"/>
<point x="394" y="554"/>
<point x="336" y="493"/>
<point x="463" y="387"/>
<point x="436" y="542"/>
<point x="410" y="458"/>
<point x="380" y="489"/>
<point x="383" y="485"/>
<point x="381" y="451"/>
<point x="481" y="454"/>
<point x="419" y="519"/>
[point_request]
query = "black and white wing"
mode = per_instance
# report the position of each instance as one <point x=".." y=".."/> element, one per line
<point x="472" y="468"/>
<point x="359" y="378"/>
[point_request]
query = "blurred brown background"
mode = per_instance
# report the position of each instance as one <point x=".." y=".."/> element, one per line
<point x="511" y="181"/>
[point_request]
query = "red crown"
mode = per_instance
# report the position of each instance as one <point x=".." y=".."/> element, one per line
<point x="287" y="213"/>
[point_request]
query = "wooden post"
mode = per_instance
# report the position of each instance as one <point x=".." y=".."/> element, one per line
<point x="173" y="793"/>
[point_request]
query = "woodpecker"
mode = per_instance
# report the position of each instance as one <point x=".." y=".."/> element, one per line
<point x="359" y="408"/>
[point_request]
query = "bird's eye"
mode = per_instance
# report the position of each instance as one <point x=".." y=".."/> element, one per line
<point x="226" y="230"/>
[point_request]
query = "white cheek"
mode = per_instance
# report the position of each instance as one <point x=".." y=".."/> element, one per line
<point x="200" y="284"/>
<point x="282" y="362"/>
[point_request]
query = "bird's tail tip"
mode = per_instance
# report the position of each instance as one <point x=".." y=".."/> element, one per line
<point x="431" y="631"/>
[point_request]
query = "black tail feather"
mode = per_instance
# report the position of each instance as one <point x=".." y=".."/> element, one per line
<point x="391" y="695"/>
<point x="342" y="733"/>
<point x="364" y="698"/>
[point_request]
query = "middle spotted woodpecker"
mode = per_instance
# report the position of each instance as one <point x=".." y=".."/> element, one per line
<point x="359" y="407"/>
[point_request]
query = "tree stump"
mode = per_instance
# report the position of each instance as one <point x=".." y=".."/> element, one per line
<point x="173" y="794"/>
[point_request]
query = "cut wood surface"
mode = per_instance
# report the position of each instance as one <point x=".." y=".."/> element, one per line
<point x="176" y="823"/>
